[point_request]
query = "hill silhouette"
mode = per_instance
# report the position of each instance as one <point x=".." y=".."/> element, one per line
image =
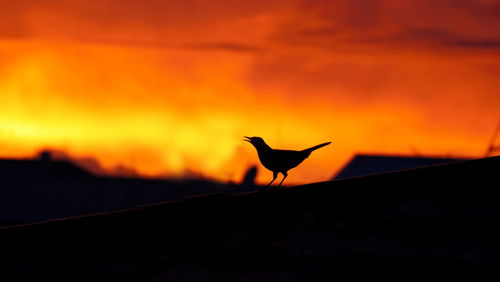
<point x="438" y="223"/>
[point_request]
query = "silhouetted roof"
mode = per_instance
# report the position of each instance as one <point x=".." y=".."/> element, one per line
<point x="37" y="168"/>
<point x="370" y="164"/>
<point x="438" y="223"/>
<point x="39" y="190"/>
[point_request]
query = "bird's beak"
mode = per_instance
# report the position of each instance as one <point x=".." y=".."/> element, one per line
<point x="248" y="139"/>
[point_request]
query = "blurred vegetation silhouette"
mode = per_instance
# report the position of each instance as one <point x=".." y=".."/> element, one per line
<point x="249" y="177"/>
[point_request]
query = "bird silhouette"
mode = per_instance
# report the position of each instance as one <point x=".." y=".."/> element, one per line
<point x="279" y="161"/>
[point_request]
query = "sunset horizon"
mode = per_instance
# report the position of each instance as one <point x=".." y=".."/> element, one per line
<point x="169" y="89"/>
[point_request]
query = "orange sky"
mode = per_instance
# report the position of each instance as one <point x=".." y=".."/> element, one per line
<point x="169" y="88"/>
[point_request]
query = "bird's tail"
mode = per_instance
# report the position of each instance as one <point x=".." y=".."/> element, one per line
<point x="316" y="147"/>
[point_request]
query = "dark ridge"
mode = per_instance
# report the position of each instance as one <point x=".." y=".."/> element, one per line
<point x="363" y="165"/>
<point x="438" y="223"/>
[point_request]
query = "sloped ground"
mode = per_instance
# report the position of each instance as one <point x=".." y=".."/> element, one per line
<point x="439" y="223"/>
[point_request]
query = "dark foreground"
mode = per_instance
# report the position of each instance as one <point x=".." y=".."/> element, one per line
<point x="438" y="223"/>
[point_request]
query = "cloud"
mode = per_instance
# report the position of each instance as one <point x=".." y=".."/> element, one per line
<point x="198" y="46"/>
<point x="227" y="46"/>
<point x="12" y="24"/>
<point x="208" y="25"/>
<point x="362" y="53"/>
<point x="429" y="38"/>
<point x="406" y="25"/>
<point x="237" y="26"/>
<point x="489" y="44"/>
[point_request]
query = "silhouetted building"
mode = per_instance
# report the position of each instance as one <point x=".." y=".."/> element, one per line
<point x="361" y="164"/>
<point x="44" y="189"/>
<point x="43" y="167"/>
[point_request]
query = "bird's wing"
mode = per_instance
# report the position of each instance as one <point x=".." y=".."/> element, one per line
<point x="287" y="159"/>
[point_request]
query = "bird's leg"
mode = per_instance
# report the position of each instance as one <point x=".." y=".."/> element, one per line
<point x="284" y="176"/>
<point x="275" y="175"/>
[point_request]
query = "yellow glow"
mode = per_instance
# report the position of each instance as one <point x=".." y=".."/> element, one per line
<point x="167" y="112"/>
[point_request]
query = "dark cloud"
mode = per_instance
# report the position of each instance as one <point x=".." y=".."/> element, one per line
<point x="159" y="22"/>
<point x="224" y="24"/>
<point x="338" y="25"/>
<point x="486" y="11"/>
<point x="481" y="44"/>
<point x="12" y="23"/>
<point x="368" y="52"/>
<point x="432" y="38"/>
<point x="227" y="46"/>
<point x="423" y="34"/>
<point x="200" y="46"/>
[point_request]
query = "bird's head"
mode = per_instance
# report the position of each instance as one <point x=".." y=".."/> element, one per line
<point x="257" y="142"/>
